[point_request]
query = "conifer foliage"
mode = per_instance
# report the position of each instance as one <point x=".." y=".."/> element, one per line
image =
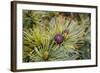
<point x="56" y="36"/>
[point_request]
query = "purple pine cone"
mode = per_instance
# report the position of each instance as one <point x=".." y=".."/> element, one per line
<point x="58" y="38"/>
